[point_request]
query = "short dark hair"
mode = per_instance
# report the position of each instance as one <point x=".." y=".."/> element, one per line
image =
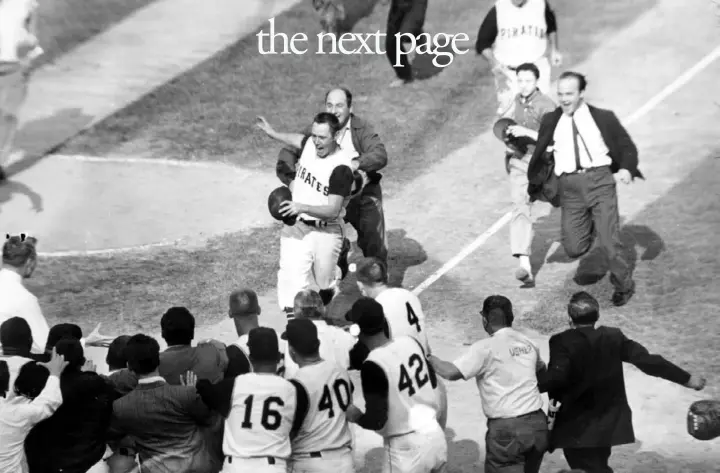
<point x="582" y="81"/>
<point x="528" y="66"/>
<point x="18" y="250"/>
<point x="178" y="326"/>
<point x="115" y="357"/>
<point x="4" y="378"/>
<point x="31" y="380"/>
<point x="73" y="352"/>
<point x="15" y="332"/>
<point x="61" y="331"/>
<point x="143" y="354"/>
<point x="498" y="311"/>
<point x="372" y="270"/>
<point x="324" y="118"/>
<point x="345" y="90"/>
<point x="583" y="308"/>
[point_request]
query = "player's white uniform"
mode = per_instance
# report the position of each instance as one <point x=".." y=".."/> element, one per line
<point x="309" y="253"/>
<point x="242" y="344"/>
<point x="324" y="442"/>
<point x="257" y="430"/>
<point x="414" y="441"/>
<point x="404" y="315"/>
<point x="521" y="37"/>
<point x="335" y="346"/>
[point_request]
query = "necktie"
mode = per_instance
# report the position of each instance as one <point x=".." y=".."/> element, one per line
<point x="575" y="145"/>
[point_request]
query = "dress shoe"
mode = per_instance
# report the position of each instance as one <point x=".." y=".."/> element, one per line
<point x="620" y="298"/>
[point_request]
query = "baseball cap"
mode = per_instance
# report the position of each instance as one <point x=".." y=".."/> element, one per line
<point x="308" y="303"/>
<point x="302" y="336"/>
<point x="498" y="302"/>
<point x="368" y="314"/>
<point x="371" y="270"/>
<point x="263" y="344"/>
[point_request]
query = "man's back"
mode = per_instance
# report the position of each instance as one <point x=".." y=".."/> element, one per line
<point x="206" y="360"/>
<point x="166" y="422"/>
<point x="335" y="346"/>
<point x="404" y="314"/>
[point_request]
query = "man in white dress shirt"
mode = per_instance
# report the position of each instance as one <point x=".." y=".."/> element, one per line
<point x="19" y="258"/>
<point x="592" y="150"/>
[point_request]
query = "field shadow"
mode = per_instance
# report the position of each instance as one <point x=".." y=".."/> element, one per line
<point x="38" y="138"/>
<point x="463" y="455"/>
<point x="425" y="67"/>
<point x="11" y="187"/>
<point x="355" y="12"/>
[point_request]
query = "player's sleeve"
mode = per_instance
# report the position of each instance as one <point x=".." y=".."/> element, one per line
<point x="358" y="355"/>
<point x="550" y="19"/>
<point x="238" y="362"/>
<point x="218" y="396"/>
<point x="341" y="181"/>
<point x="474" y="362"/>
<point x="488" y="32"/>
<point x="301" y="407"/>
<point x="375" y="390"/>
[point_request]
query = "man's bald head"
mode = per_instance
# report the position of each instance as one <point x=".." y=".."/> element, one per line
<point x="243" y="303"/>
<point x="308" y="304"/>
<point x="338" y="101"/>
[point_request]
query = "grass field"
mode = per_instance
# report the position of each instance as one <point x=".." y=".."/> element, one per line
<point x="207" y="114"/>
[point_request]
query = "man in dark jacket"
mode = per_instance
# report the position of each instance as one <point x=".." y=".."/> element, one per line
<point x="365" y="211"/>
<point x="585" y="375"/>
<point x="591" y="150"/>
<point x="73" y="439"/>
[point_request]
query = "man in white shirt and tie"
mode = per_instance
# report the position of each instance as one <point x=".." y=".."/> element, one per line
<point x="591" y="151"/>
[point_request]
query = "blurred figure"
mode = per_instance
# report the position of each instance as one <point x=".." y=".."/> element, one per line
<point x="19" y="258"/>
<point x="585" y="375"/>
<point x="4" y="378"/>
<point x="120" y="376"/>
<point x="331" y="14"/>
<point x="166" y="421"/>
<point x="207" y="360"/>
<point x="405" y="18"/>
<point x="16" y="340"/>
<point x="73" y="440"/>
<point x="18" y="48"/>
<point x="37" y="396"/>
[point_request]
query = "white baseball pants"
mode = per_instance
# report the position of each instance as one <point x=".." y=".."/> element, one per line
<point x="308" y="259"/>
<point x="328" y="461"/>
<point x="417" y="452"/>
<point x="13" y="92"/>
<point x="505" y="96"/>
<point x="254" y="465"/>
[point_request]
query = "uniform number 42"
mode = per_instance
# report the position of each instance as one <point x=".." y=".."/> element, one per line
<point x="420" y="378"/>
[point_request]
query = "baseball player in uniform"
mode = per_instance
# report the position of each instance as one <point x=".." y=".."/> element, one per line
<point x="18" y="48"/>
<point x="335" y="343"/>
<point x="262" y="410"/>
<point x="324" y="442"/>
<point x="401" y="396"/>
<point x="309" y="250"/>
<point x="515" y="32"/>
<point x="529" y="106"/>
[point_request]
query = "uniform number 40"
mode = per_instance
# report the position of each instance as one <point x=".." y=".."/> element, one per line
<point x="342" y="392"/>
<point x="421" y="376"/>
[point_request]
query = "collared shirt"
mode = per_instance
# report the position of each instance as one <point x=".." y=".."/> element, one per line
<point x="528" y="111"/>
<point x="589" y="133"/>
<point x="504" y="367"/>
<point x="151" y="380"/>
<point x="17" y="417"/>
<point x="17" y="301"/>
<point x="344" y="137"/>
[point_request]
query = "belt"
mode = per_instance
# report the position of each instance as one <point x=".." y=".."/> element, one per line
<point x="270" y="460"/>
<point x="310" y="454"/>
<point x="586" y="170"/>
<point x="314" y="223"/>
<point x="516" y="417"/>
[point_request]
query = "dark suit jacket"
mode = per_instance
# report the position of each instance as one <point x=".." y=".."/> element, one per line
<point x="585" y="374"/>
<point x="621" y="148"/>
<point x="123" y="381"/>
<point x="74" y="437"/>
<point x="373" y="155"/>
<point x="206" y="360"/>
<point x="169" y="425"/>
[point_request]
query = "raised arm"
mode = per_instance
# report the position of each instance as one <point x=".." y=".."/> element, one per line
<point x="653" y="365"/>
<point x="291" y="139"/>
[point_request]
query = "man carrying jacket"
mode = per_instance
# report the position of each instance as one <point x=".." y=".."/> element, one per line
<point x="364" y="212"/>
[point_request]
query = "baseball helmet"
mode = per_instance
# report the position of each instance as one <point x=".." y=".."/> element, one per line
<point x="275" y="200"/>
<point x="703" y="420"/>
<point x="517" y="144"/>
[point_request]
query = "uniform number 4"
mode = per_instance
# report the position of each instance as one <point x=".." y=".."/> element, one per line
<point x="421" y="377"/>
<point x="412" y="318"/>
<point x="270" y="418"/>
<point x="341" y="389"/>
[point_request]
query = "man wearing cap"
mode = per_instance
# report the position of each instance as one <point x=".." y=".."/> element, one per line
<point x="324" y="441"/>
<point x="262" y="410"/>
<point x="244" y="312"/>
<point x="529" y="106"/>
<point x="335" y="343"/>
<point x="505" y="367"/>
<point x="402" y="401"/>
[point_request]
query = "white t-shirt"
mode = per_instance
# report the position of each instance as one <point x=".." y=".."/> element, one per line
<point x="504" y="367"/>
<point x="17" y="301"/>
<point x="589" y="133"/>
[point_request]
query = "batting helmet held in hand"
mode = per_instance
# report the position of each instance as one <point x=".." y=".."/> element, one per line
<point x="703" y="420"/>
<point x="275" y="200"/>
<point x="517" y="144"/>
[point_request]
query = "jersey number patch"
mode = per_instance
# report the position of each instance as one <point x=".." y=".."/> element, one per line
<point x="412" y="318"/>
<point x="270" y="418"/>
<point x="421" y="377"/>
<point x="342" y="392"/>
